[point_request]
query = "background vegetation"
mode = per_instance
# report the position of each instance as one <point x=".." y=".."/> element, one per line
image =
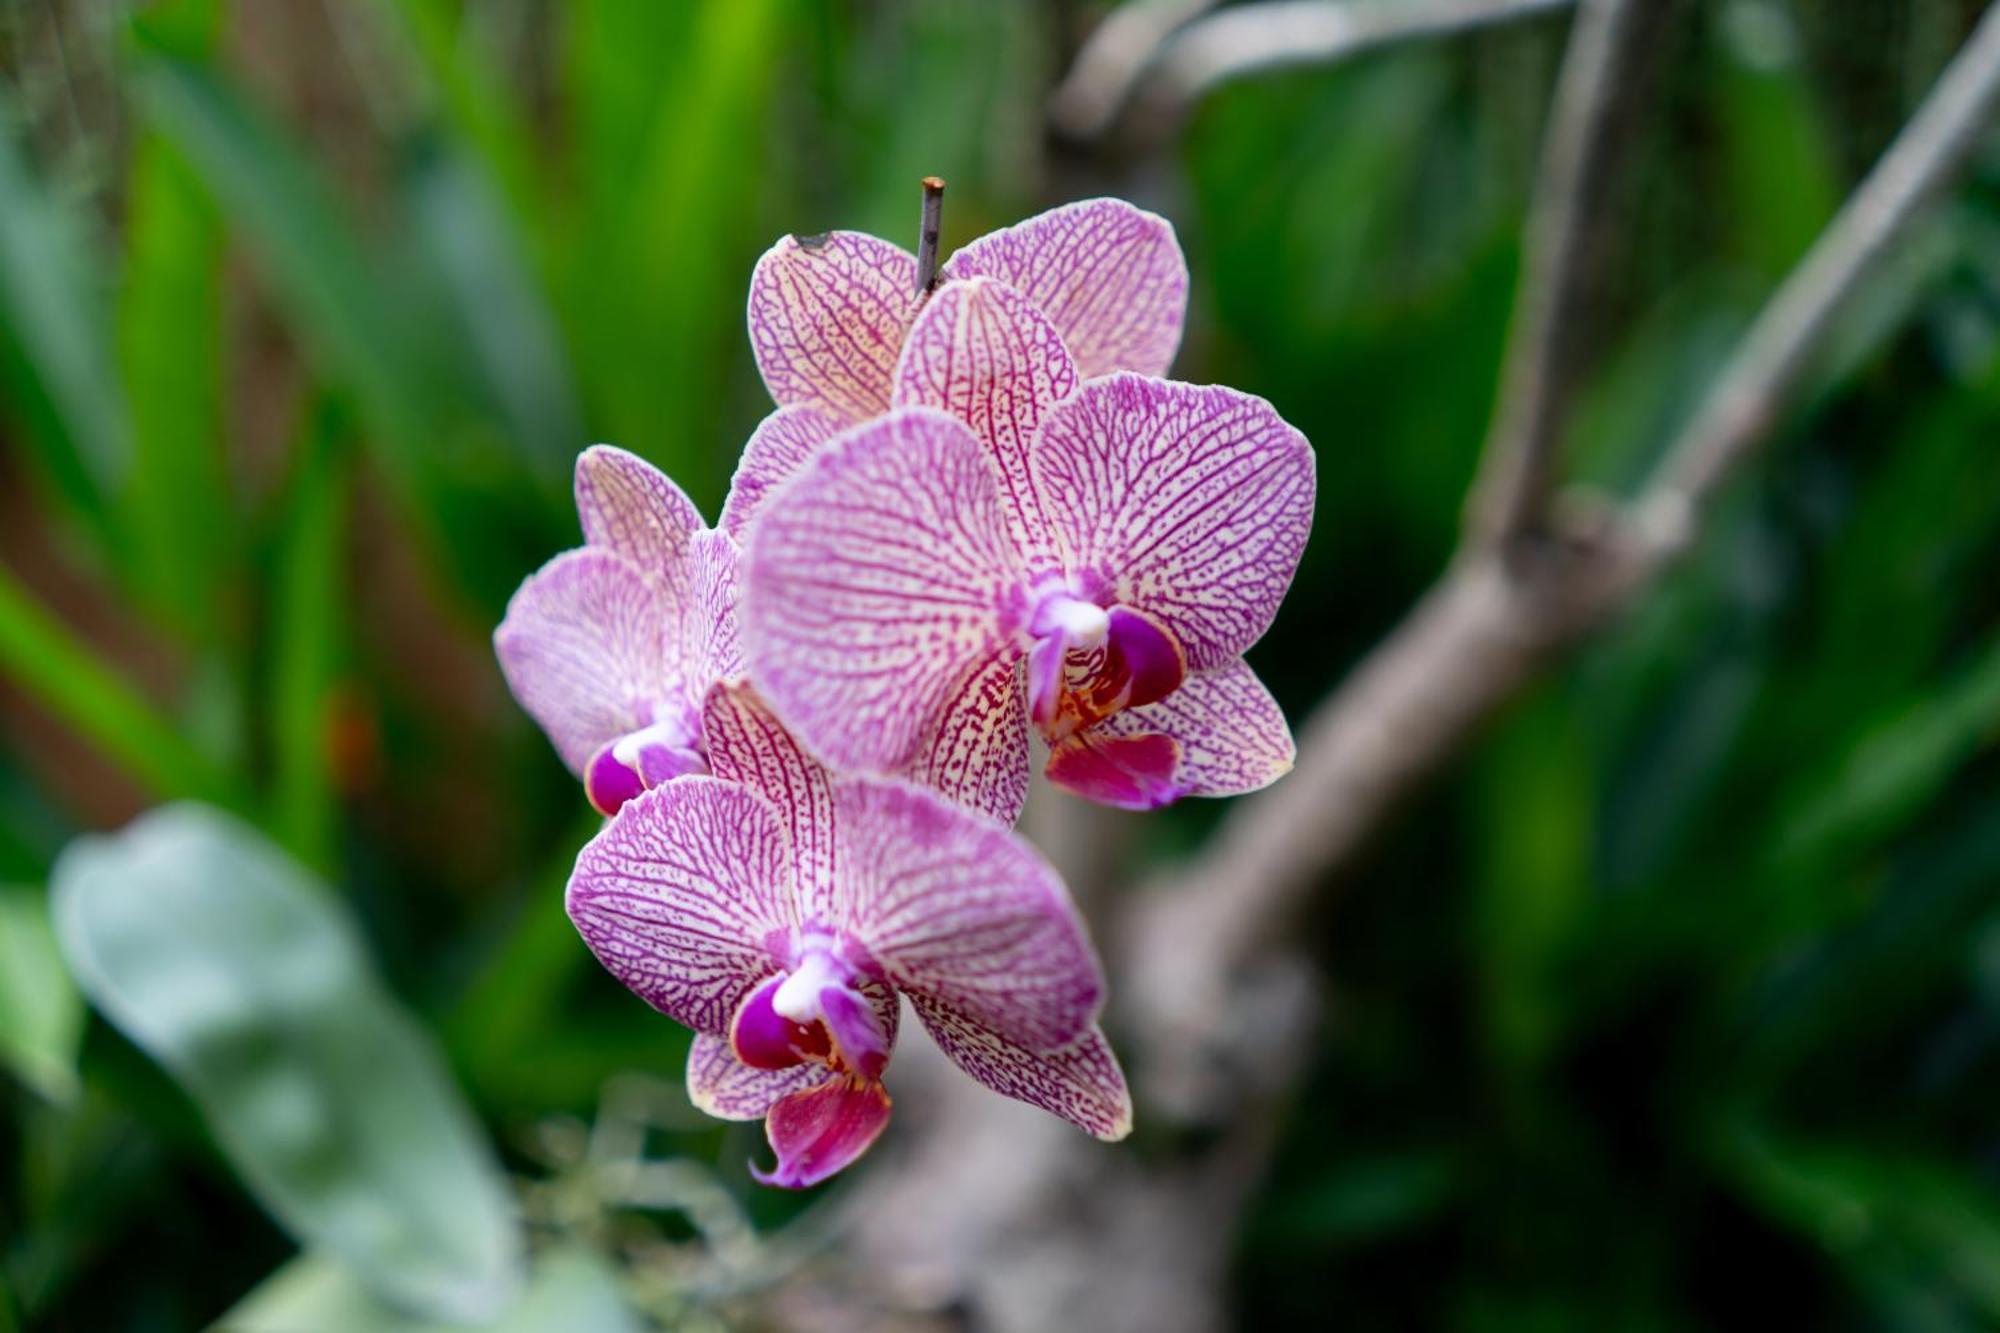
<point x="1677" y="1006"/>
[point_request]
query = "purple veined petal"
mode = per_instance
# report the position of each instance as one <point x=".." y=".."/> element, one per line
<point x="982" y="352"/>
<point x="681" y="895"/>
<point x="1136" y="771"/>
<point x="587" y="647"/>
<point x="827" y="318"/>
<point x="1082" y="1082"/>
<point x="778" y="448"/>
<point x="629" y="506"/>
<point x="747" y="744"/>
<point x="711" y="639"/>
<point x="857" y="1029"/>
<point x="875" y="581"/>
<point x="958" y="909"/>
<point x="1191" y="502"/>
<point x="721" y="1085"/>
<point x="977" y="755"/>
<point x="1232" y="734"/>
<point x="821" y="1130"/>
<point x="1111" y="278"/>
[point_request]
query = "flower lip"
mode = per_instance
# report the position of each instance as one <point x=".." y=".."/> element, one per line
<point x="765" y="1039"/>
<point x="669" y="747"/>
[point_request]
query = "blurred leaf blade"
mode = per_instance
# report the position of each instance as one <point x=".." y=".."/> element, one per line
<point x="56" y="322"/>
<point x="570" y="1290"/>
<point x="308" y="632"/>
<point x="44" y="659"/>
<point x="224" y="961"/>
<point x="41" y="1013"/>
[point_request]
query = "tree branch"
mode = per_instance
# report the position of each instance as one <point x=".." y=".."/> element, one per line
<point x="1597" y="99"/>
<point x="1192" y="61"/>
<point x="1774" y="358"/>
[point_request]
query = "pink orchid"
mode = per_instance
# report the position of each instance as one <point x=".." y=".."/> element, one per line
<point x="829" y="316"/>
<point x="780" y="911"/>
<point x="613" y="646"/>
<point x="1123" y="539"/>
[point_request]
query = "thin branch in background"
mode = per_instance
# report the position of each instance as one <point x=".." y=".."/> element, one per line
<point x="1279" y="34"/>
<point x="1482" y="634"/>
<point x="1109" y="66"/>
<point x="928" y="229"/>
<point x="1598" y="96"/>
<point x="1775" y="356"/>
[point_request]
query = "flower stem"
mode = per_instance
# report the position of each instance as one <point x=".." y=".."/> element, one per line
<point x="927" y="236"/>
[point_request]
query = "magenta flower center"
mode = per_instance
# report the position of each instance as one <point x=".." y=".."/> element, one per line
<point x="667" y="747"/>
<point x="812" y="1011"/>
<point x="1089" y="662"/>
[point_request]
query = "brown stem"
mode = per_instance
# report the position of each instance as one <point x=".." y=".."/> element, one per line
<point x="927" y="235"/>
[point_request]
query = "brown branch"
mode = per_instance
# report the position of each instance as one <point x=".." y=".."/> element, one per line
<point x="1254" y="39"/>
<point x="1111" y="63"/>
<point x="1612" y="45"/>
<point x="929" y="227"/>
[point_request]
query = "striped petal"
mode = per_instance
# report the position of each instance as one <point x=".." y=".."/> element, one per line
<point x="590" y="646"/>
<point x="1232" y="735"/>
<point x="960" y="911"/>
<point x="1190" y="503"/>
<point x="682" y="896"/>
<point x="778" y="448"/>
<point x="820" y="1131"/>
<point x="827" y="318"/>
<point x="1082" y="1082"/>
<point x="726" y="1088"/>
<point x="977" y="755"/>
<point x="747" y="744"/>
<point x="629" y="506"/>
<point x="1110" y="276"/>
<point x="875" y="582"/>
<point x="982" y="352"/>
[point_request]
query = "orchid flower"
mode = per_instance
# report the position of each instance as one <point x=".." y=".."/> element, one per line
<point x="1113" y="545"/>
<point x="829" y="315"/>
<point x="612" y="647"/>
<point x="780" y="912"/>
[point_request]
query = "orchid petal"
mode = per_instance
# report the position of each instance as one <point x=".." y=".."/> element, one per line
<point x="747" y="744"/>
<point x="875" y="582"/>
<point x="857" y="1029"/>
<point x="711" y="645"/>
<point x="1110" y="276"/>
<point x="977" y="755"/>
<point x="827" y="317"/>
<point x="629" y="506"/>
<point x="1232" y="734"/>
<point x="1082" y="1082"/>
<point x="680" y="895"/>
<point x="1132" y="772"/>
<point x="721" y="1085"/>
<point x="820" y="1130"/>
<point x="958" y="909"/>
<point x="982" y="352"/>
<point x="585" y="647"/>
<point x="1191" y="503"/>
<point x="778" y="448"/>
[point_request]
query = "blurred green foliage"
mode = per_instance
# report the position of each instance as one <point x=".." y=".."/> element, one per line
<point x="1679" y="1006"/>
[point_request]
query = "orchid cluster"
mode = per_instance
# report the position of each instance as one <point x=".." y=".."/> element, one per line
<point x="978" y="515"/>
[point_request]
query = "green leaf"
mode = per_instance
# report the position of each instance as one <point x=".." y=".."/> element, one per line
<point x="571" y="1290"/>
<point x="41" y="1014"/>
<point x="61" y="673"/>
<point x="307" y="604"/>
<point x="668" y="241"/>
<point x="1875" y="1209"/>
<point x="242" y="976"/>
<point x="55" y="322"/>
<point x="1896" y="765"/>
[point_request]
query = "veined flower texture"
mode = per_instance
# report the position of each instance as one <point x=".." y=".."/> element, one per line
<point x="780" y="912"/>
<point x="1109" y="546"/>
